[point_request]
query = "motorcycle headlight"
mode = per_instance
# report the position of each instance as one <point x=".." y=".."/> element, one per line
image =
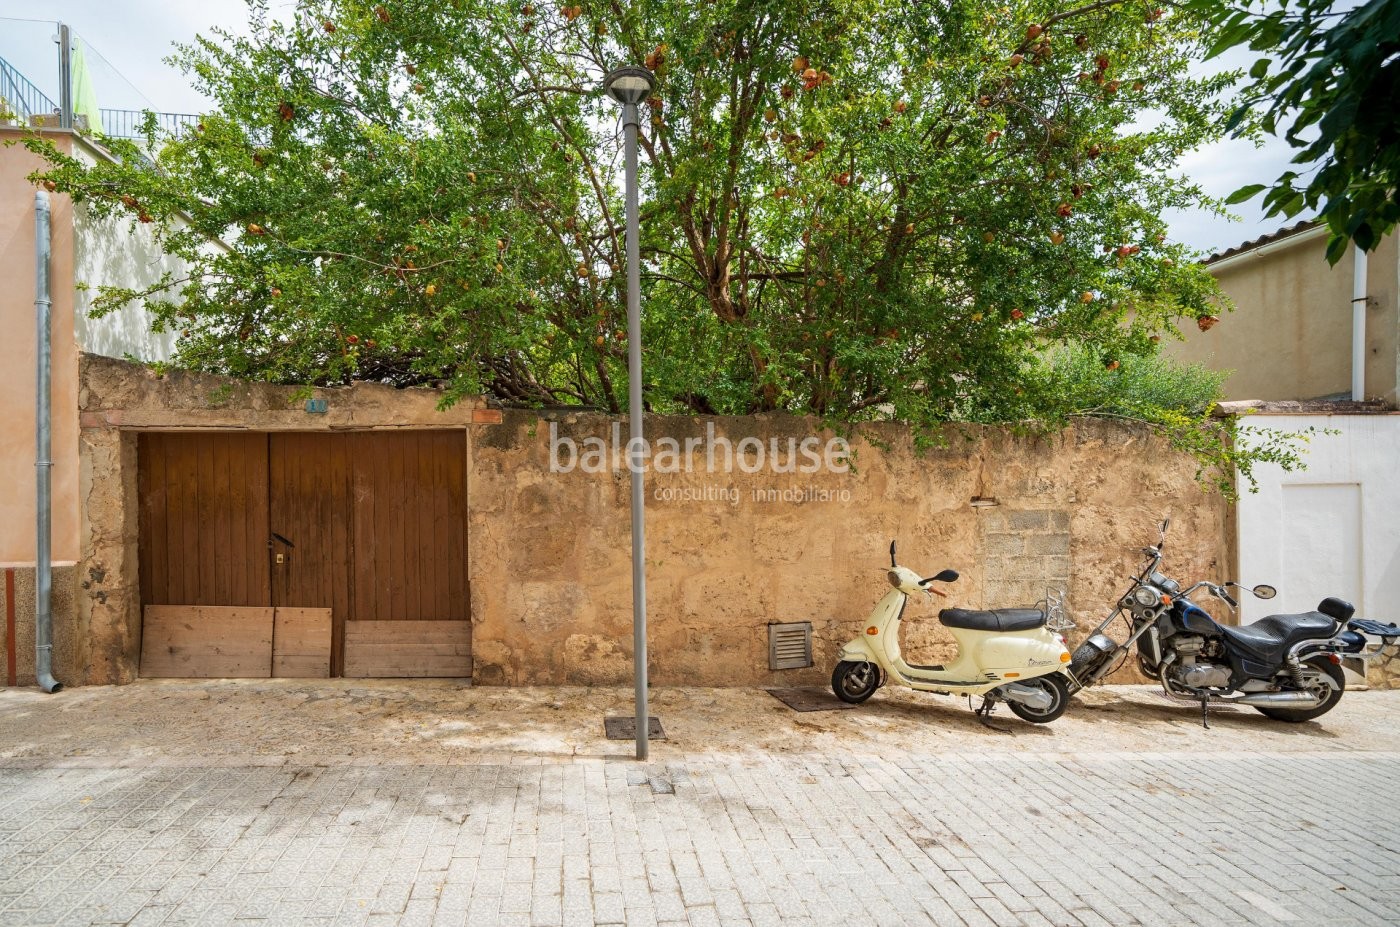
<point x="1145" y="596"/>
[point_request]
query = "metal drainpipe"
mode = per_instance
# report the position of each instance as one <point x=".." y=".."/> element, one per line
<point x="43" y="465"/>
<point x="1358" y="325"/>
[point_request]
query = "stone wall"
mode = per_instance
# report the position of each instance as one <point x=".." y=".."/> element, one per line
<point x="550" y="552"/>
<point x="69" y="646"/>
<point x="549" y="555"/>
<point x="1383" y="671"/>
<point x="1026" y="553"/>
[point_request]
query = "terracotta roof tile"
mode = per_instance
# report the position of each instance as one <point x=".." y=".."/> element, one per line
<point x="1288" y="231"/>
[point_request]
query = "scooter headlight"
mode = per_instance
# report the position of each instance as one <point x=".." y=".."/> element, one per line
<point x="893" y="577"/>
<point x="1146" y="596"/>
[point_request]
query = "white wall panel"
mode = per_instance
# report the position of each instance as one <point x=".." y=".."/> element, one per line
<point x="1332" y="529"/>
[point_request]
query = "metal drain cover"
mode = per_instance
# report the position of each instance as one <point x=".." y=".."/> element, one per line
<point x="810" y="699"/>
<point x="624" y="727"/>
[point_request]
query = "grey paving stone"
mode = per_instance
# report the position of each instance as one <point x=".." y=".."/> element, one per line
<point x="1221" y="838"/>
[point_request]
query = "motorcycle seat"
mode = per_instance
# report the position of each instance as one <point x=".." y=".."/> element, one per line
<point x="1269" y="639"/>
<point x="1000" y="619"/>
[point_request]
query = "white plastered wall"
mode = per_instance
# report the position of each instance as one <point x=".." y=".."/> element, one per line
<point x="1332" y="529"/>
<point x="117" y="251"/>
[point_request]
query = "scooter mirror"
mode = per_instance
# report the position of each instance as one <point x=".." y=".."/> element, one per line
<point x="943" y="576"/>
<point x="892" y="563"/>
<point x="1264" y="592"/>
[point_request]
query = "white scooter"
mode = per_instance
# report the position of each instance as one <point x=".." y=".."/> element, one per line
<point x="1005" y="655"/>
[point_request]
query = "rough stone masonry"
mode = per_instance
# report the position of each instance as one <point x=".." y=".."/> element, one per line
<point x="728" y="551"/>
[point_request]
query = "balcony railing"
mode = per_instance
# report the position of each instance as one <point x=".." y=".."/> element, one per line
<point x="19" y="96"/>
<point x="22" y="101"/>
<point x="127" y="123"/>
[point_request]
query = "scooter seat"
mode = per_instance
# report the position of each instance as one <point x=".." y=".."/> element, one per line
<point x="1000" y="619"/>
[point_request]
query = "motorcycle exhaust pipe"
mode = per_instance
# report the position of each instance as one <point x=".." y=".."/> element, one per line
<point x="1278" y="700"/>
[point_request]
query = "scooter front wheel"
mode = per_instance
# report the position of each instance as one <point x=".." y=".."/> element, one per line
<point x="855" y="681"/>
<point x="1053" y="684"/>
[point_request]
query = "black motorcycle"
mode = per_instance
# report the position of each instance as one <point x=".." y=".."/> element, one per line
<point x="1286" y="666"/>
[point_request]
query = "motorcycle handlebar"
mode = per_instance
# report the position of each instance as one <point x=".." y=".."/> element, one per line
<point x="1220" y="592"/>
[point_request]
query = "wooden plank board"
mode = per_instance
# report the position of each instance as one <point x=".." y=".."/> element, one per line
<point x="301" y="643"/>
<point x="396" y="649"/>
<point x="206" y="641"/>
<point x="365" y="533"/>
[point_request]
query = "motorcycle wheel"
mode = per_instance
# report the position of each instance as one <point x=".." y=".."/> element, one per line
<point x="1055" y="684"/>
<point x="855" y="681"/>
<point x="1296" y="715"/>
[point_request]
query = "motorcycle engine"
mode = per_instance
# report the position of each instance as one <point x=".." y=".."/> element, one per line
<point x="1186" y="671"/>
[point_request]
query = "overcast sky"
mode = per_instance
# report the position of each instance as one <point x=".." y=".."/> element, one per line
<point x="133" y="36"/>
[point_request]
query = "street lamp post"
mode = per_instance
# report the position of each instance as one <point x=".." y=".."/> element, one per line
<point x="630" y="86"/>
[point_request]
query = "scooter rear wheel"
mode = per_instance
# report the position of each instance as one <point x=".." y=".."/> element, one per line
<point x="855" y="681"/>
<point x="1053" y="683"/>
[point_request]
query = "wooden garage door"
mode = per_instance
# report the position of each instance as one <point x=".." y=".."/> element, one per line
<point x="312" y="555"/>
<point x="409" y="533"/>
<point x="203" y="519"/>
<point x="368" y="526"/>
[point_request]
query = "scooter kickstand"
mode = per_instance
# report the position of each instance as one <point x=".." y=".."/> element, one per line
<point x="984" y="713"/>
<point x="1205" y="712"/>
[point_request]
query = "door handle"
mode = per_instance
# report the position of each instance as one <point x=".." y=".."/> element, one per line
<point x="278" y="537"/>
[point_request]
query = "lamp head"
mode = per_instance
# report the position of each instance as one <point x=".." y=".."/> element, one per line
<point x="629" y="85"/>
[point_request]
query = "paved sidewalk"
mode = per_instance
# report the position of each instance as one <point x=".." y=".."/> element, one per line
<point x="1248" y="823"/>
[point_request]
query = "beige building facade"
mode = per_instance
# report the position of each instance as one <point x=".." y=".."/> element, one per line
<point x="17" y="356"/>
<point x="82" y="250"/>
<point x="1290" y="334"/>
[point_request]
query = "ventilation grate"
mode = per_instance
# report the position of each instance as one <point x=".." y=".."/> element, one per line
<point x="790" y="645"/>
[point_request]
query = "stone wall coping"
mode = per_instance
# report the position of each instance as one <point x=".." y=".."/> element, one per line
<point x="291" y="421"/>
<point x="1304" y="407"/>
<point x="125" y="395"/>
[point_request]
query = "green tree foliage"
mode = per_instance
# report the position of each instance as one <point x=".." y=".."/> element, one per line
<point x="851" y="208"/>
<point x="1329" y="80"/>
<point x="1175" y="400"/>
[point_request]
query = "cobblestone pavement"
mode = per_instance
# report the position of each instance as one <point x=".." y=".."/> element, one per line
<point x="1010" y="827"/>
